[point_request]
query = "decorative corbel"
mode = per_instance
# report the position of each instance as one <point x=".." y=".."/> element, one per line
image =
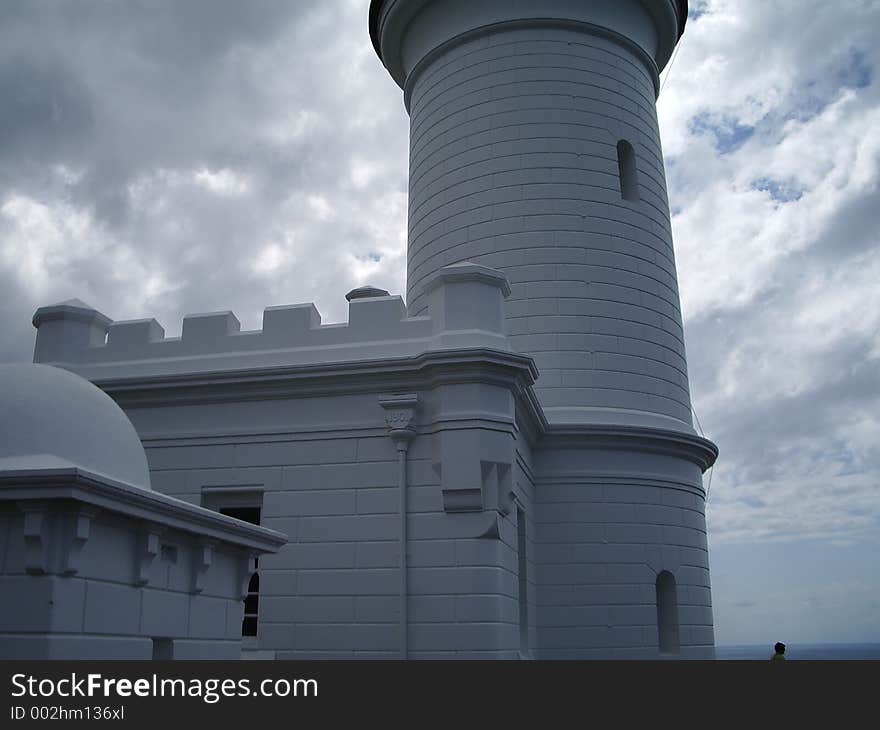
<point x="147" y="549"/>
<point x="36" y="547"/>
<point x="79" y="522"/>
<point x="495" y="492"/>
<point x="400" y="411"/>
<point x="203" y="556"/>
<point x="247" y="566"/>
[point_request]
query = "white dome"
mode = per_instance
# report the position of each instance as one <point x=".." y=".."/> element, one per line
<point x="51" y="416"/>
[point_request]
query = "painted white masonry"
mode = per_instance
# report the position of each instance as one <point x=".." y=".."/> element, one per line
<point x="537" y="374"/>
<point x="95" y="567"/>
<point x="516" y="113"/>
<point x="534" y="149"/>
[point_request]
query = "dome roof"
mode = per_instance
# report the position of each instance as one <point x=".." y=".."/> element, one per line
<point x="52" y="417"/>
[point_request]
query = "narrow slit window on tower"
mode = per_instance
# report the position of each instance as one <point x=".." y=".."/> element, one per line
<point x="667" y="613"/>
<point x="629" y="175"/>
<point x="522" y="571"/>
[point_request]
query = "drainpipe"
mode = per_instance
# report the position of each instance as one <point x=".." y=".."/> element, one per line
<point x="399" y="414"/>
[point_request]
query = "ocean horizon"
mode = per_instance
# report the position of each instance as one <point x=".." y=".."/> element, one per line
<point x="795" y="651"/>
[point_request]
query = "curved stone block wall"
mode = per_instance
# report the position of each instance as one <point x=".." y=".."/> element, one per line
<point x="514" y="163"/>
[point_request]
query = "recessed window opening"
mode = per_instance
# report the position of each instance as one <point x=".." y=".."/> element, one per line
<point x="252" y="600"/>
<point x="629" y="175"/>
<point x="667" y="613"/>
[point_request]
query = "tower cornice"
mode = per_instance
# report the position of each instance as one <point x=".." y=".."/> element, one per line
<point x="670" y="18"/>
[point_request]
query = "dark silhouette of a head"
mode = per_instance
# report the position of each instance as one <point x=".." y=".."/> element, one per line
<point x="779" y="647"/>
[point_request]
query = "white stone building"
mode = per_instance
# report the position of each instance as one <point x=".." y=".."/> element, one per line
<point x="506" y="465"/>
<point x="93" y="563"/>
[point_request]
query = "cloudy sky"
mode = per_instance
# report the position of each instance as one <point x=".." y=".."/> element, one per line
<point x="165" y="157"/>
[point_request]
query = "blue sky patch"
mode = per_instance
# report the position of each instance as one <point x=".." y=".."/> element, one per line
<point x="729" y="134"/>
<point x="782" y="191"/>
<point x="857" y="74"/>
<point x="697" y="9"/>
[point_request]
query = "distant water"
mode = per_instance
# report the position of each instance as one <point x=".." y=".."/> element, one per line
<point x="802" y="651"/>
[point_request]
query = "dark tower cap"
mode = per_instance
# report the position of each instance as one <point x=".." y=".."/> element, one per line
<point x="681" y="7"/>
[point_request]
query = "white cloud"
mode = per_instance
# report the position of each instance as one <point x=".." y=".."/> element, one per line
<point x="201" y="162"/>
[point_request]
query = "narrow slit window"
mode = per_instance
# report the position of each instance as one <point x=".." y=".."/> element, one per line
<point x="667" y="613"/>
<point x="522" y="566"/>
<point x="629" y="175"/>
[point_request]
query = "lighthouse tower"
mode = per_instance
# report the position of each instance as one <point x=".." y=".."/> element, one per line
<point x="535" y="150"/>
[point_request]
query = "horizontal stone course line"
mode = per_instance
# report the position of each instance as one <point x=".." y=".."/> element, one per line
<point x="512" y="251"/>
<point x="520" y="191"/>
<point x="523" y="204"/>
<point x="226" y="436"/>
<point x="576" y="65"/>
<point x="556" y="110"/>
<point x="596" y="300"/>
<point x="622" y="368"/>
<point x="604" y="88"/>
<point x="502" y="123"/>
<point x="613" y="480"/>
<point x="591" y="133"/>
<point x="562" y="396"/>
<point x="629" y="338"/>
<point x="468" y="55"/>
<point x="459" y="120"/>
<point x="520" y="104"/>
<point x="569" y="539"/>
<point x="539" y="523"/>
<point x="646" y="625"/>
<point x="602" y="189"/>
<point x="532" y="171"/>
<point x="586" y="184"/>
<point x="567" y="504"/>
<point x="422" y="128"/>
<point x="427" y="165"/>
<point x="579" y="221"/>
<point x="513" y="152"/>
<point x="530" y="40"/>
<point x="416" y="281"/>
<point x="424" y="83"/>
<point x="650" y="335"/>
<point x="527" y="184"/>
<point x="536" y="320"/>
<point x="590" y="376"/>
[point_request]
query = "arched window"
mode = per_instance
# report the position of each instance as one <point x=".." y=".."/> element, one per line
<point x="667" y="613"/>
<point x="629" y="176"/>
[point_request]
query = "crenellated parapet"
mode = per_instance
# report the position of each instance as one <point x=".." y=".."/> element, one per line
<point x="466" y="311"/>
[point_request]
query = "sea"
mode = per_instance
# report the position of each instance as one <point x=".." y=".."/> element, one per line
<point x="834" y="652"/>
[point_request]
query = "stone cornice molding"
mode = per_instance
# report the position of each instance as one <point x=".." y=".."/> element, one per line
<point x="71" y="312"/>
<point x="31" y="488"/>
<point x="426" y="369"/>
<point x="404" y="51"/>
<point x="693" y="448"/>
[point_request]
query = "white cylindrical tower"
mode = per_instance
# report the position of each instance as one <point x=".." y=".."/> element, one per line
<point x="535" y="150"/>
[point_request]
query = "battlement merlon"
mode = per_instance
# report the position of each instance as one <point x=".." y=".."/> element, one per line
<point x="465" y="311"/>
